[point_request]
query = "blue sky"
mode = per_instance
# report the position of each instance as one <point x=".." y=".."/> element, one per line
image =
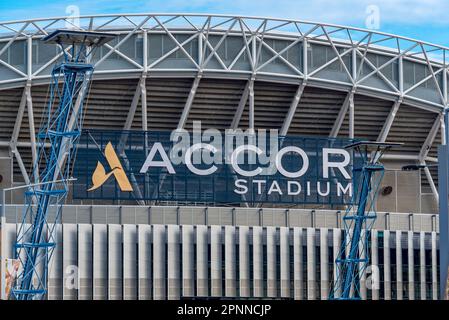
<point x="421" y="19"/>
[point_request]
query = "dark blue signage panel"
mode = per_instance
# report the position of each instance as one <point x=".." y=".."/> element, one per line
<point x="209" y="168"/>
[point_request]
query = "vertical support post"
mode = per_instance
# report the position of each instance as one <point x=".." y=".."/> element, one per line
<point x="251" y="106"/>
<point x="305" y="58"/>
<point x="143" y="101"/>
<point x="351" y="116"/>
<point x="32" y="130"/>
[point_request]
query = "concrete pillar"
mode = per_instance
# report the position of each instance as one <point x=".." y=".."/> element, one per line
<point x="159" y="259"/>
<point x="202" y="285"/>
<point x="55" y="270"/>
<point x="257" y="262"/>
<point x="271" y="263"/>
<point x="100" y="289"/>
<point x="324" y="265"/>
<point x="173" y="256"/>
<point x="187" y="261"/>
<point x="70" y="261"/>
<point x="85" y="263"/>
<point x="244" y="261"/>
<point x="434" y="266"/>
<point x="284" y="233"/>
<point x="297" y="264"/>
<point x="144" y="262"/>
<point x="230" y="262"/>
<point x="387" y="266"/>
<point x="216" y="263"/>
<point x="335" y="254"/>
<point x="399" y="278"/>
<point x="411" y="275"/>
<point x="129" y="262"/>
<point x="375" y="260"/>
<point x="311" y="264"/>
<point x="422" y="264"/>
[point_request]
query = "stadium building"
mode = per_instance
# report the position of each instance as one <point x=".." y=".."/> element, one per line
<point x="165" y="72"/>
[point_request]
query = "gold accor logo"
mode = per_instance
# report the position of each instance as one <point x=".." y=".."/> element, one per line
<point x="100" y="176"/>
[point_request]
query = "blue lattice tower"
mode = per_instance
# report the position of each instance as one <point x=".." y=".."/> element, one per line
<point x="359" y="218"/>
<point x="56" y="149"/>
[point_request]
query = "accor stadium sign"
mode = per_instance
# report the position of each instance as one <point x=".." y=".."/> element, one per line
<point x="211" y="167"/>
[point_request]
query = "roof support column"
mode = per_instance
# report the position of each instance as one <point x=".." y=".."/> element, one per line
<point x="32" y="129"/>
<point x="241" y="106"/>
<point x="351" y="116"/>
<point x="291" y="112"/>
<point x="389" y="121"/>
<point x="143" y="102"/>
<point x="251" y="106"/>
<point x="188" y="105"/>
<point x="341" y="115"/>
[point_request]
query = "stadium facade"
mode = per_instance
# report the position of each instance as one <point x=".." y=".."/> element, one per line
<point x="164" y="72"/>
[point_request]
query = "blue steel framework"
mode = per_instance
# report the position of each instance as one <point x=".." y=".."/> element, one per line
<point x="60" y="128"/>
<point x="359" y="218"/>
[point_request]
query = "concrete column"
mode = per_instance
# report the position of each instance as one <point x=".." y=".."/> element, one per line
<point x="285" y="261"/>
<point x="55" y="270"/>
<point x="244" y="261"/>
<point x="216" y="263"/>
<point x="324" y="266"/>
<point x="411" y="275"/>
<point x="271" y="263"/>
<point x="422" y="264"/>
<point x="399" y="278"/>
<point x="173" y="256"/>
<point x="387" y="266"/>
<point x="311" y="264"/>
<point x="202" y="286"/>
<point x="187" y="261"/>
<point x="230" y="262"/>
<point x="129" y="262"/>
<point x="85" y="263"/>
<point x="434" y="266"/>
<point x="257" y="262"/>
<point x="144" y="262"/>
<point x="159" y="257"/>
<point x="335" y="253"/>
<point x="100" y="271"/>
<point x="297" y="264"/>
<point x="375" y="260"/>
<point x="70" y="261"/>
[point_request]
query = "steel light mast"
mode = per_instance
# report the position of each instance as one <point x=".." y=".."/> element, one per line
<point x="56" y="149"/>
<point x="358" y="220"/>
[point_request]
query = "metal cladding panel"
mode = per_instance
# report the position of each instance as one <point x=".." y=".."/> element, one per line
<point x="375" y="262"/>
<point x="387" y="267"/>
<point x="271" y="262"/>
<point x="434" y="266"/>
<point x="115" y="262"/>
<point x="244" y="265"/>
<point x="100" y="262"/>
<point x="85" y="262"/>
<point x="216" y="261"/>
<point x="422" y="265"/>
<point x="188" y="281"/>
<point x="284" y="245"/>
<point x="130" y="264"/>
<point x="144" y="262"/>
<point x="70" y="261"/>
<point x="202" y="278"/>
<point x="258" y="285"/>
<point x="159" y="259"/>
<point x="324" y="264"/>
<point x="174" y="256"/>
<point x="230" y="262"/>
<point x="55" y="269"/>
<point x="297" y="262"/>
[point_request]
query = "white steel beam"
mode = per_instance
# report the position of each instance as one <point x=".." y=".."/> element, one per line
<point x="251" y="107"/>
<point x="292" y="110"/>
<point x="341" y="115"/>
<point x="241" y="106"/>
<point x="32" y="130"/>
<point x="24" y="172"/>
<point x="351" y="116"/>
<point x="18" y="123"/>
<point x="143" y="102"/>
<point x="389" y="121"/>
<point x="188" y="105"/>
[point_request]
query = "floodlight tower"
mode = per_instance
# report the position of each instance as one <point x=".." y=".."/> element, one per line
<point x="56" y="148"/>
<point x="359" y="218"/>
